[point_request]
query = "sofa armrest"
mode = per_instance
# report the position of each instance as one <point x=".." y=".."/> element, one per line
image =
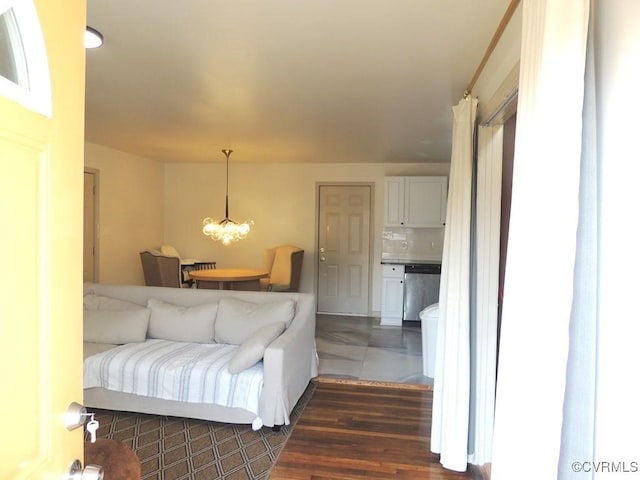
<point x="290" y="362"/>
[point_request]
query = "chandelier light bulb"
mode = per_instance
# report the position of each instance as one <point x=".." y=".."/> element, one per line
<point x="226" y="230"/>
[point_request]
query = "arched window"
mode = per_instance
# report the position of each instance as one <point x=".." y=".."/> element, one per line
<point x="24" y="69"/>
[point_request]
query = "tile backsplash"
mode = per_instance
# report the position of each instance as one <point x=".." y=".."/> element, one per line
<point x="412" y="243"/>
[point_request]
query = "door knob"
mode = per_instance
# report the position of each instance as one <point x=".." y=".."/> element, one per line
<point x="75" y="416"/>
<point x="322" y="258"/>
<point x="90" y="472"/>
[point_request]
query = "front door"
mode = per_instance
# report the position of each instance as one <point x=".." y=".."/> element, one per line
<point x="343" y="243"/>
<point x="41" y="162"/>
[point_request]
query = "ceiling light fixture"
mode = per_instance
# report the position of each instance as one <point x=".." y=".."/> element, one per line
<point x="226" y="230"/>
<point x="92" y="38"/>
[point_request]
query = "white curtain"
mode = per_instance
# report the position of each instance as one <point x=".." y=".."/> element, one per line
<point x="617" y="72"/>
<point x="484" y="318"/>
<point x="450" y="418"/>
<point x="601" y="420"/>
<point x="539" y="291"/>
<point x="578" y="430"/>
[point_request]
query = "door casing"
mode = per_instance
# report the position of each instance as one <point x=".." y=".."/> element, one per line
<point x="91" y="222"/>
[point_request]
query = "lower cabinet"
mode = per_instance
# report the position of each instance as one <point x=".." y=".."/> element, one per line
<point x="392" y="295"/>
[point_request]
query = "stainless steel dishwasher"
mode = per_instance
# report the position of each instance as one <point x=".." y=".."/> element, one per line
<point x="421" y="289"/>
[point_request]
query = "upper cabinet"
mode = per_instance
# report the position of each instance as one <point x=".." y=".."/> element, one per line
<point x="415" y="201"/>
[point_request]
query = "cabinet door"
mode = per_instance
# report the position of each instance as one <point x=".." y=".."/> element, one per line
<point x="425" y="201"/>
<point x="392" y="300"/>
<point x="394" y="201"/>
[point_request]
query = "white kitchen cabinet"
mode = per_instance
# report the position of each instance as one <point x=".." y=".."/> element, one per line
<point x="392" y="294"/>
<point x="415" y="201"/>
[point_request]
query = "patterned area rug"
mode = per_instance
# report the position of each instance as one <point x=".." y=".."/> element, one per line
<point x="173" y="448"/>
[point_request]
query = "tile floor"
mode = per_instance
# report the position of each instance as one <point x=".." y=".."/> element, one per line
<point x="360" y="348"/>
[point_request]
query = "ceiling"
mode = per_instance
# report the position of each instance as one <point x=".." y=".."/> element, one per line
<point x="283" y="80"/>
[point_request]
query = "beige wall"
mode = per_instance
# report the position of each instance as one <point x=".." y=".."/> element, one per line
<point x="280" y="198"/>
<point x="130" y="211"/>
<point x="505" y="56"/>
<point x="144" y="204"/>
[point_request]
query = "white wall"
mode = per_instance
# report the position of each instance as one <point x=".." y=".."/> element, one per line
<point x="280" y="198"/>
<point x="130" y="211"/>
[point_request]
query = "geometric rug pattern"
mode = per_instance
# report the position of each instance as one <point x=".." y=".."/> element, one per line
<point x="171" y="448"/>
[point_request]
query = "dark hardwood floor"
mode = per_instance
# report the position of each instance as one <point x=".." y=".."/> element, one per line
<point x="353" y="432"/>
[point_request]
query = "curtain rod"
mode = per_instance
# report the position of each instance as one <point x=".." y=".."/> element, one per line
<point x="492" y="45"/>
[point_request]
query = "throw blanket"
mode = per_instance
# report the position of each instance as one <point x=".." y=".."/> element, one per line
<point x="185" y="372"/>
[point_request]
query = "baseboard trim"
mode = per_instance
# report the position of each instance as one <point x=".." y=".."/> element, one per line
<point x="373" y="383"/>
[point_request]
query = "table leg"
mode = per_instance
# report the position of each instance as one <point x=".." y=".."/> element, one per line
<point x="246" y="285"/>
<point x="206" y="284"/>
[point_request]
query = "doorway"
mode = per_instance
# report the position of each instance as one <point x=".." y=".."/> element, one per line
<point x="344" y="242"/>
<point x="90" y="247"/>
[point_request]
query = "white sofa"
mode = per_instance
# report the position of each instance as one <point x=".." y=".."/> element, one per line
<point x="185" y="317"/>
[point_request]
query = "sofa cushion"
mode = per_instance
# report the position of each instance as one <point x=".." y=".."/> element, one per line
<point x="238" y="320"/>
<point x="181" y="324"/>
<point x="252" y="349"/>
<point x="115" y="326"/>
<point x="100" y="302"/>
<point x="92" y="348"/>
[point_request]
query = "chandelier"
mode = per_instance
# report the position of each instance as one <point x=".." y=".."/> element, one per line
<point x="226" y="230"/>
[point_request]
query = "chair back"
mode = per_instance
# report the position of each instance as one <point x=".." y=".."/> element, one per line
<point x="169" y="251"/>
<point x="160" y="270"/>
<point x="296" y="270"/>
<point x="285" y="264"/>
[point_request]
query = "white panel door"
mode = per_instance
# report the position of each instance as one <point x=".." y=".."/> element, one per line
<point x="343" y="256"/>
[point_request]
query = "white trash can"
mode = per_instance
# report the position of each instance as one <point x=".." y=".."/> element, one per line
<point x="429" y="318"/>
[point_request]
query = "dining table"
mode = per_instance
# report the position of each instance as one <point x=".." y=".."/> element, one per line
<point x="229" y="278"/>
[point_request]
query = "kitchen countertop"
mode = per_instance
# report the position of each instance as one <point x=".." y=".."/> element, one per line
<point x="409" y="261"/>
